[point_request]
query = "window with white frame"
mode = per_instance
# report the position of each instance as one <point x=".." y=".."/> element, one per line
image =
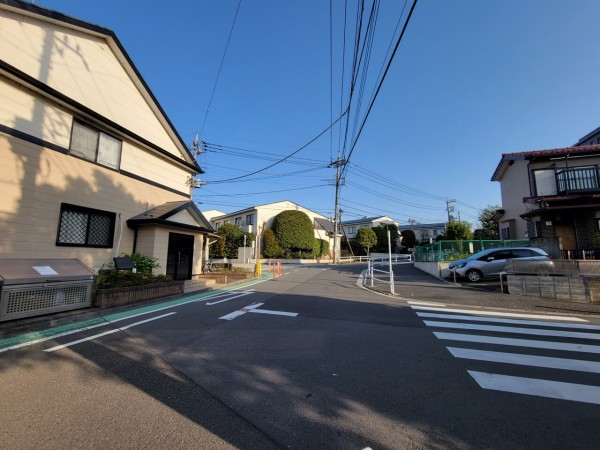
<point x="85" y="227"/>
<point x="250" y="219"/>
<point x="95" y="145"/>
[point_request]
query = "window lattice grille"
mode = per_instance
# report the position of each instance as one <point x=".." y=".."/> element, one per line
<point x="73" y="227"/>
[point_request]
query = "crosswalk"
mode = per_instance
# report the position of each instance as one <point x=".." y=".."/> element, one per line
<point x="561" y="345"/>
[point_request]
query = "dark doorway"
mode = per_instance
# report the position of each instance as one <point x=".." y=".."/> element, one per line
<point x="180" y="256"/>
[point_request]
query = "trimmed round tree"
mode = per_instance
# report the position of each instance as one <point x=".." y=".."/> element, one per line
<point x="270" y="246"/>
<point x="366" y="238"/>
<point x="294" y="231"/>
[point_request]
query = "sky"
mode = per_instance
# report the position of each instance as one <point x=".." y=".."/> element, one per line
<point x="259" y="79"/>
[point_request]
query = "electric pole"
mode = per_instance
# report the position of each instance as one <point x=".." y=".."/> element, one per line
<point x="450" y="208"/>
<point x="339" y="163"/>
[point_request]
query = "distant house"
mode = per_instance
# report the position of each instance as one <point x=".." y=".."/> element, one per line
<point x="552" y="195"/>
<point x="257" y="218"/>
<point x="425" y="232"/>
<point x="91" y="165"/>
<point x="350" y="227"/>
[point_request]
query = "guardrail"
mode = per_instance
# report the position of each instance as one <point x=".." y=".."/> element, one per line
<point x="380" y="262"/>
<point x="395" y="258"/>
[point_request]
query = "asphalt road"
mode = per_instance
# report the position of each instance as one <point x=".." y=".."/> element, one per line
<point x="309" y="360"/>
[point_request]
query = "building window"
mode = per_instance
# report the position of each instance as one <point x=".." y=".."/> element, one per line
<point x="250" y="219"/>
<point x="85" y="227"/>
<point x="94" y="145"/>
<point x="238" y="221"/>
<point x="217" y="225"/>
<point x="351" y="230"/>
<point x="504" y="233"/>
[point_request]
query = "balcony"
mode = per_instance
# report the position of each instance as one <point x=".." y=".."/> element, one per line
<point x="577" y="180"/>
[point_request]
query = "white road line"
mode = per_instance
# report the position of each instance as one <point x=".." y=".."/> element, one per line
<point x="526" y="360"/>
<point x="515" y="330"/>
<point x="79" y="341"/>
<point x="548" y="345"/>
<point x="540" y="388"/>
<point x="54" y="336"/>
<point x="240" y="294"/>
<point x="413" y="302"/>
<point x="501" y="314"/>
<point x="240" y="312"/>
<point x="538" y="323"/>
<point x="276" y="313"/>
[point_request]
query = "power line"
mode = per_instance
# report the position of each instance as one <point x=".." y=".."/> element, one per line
<point x="288" y="156"/>
<point x="382" y="79"/>
<point x="245" y="194"/>
<point x="220" y="67"/>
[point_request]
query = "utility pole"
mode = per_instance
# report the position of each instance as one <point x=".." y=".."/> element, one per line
<point x="197" y="148"/>
<point x="450" y="208"/>
<point x="338" y="163"/>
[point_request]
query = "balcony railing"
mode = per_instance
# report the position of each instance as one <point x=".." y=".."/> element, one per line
<point x="585" y="179"/>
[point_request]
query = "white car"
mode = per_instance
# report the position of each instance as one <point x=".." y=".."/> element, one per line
<point x="490" y="262"/>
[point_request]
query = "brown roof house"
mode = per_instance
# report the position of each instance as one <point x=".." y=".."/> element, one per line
<point x="552" y="197"/>
<point x="91" y="165"/>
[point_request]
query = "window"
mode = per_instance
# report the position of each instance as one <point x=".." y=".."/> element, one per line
<point x="95" y="145"/>
<point x="238" y="221"/>
<point x="85" y="227"/>
<point x="217" y="225"/>
<point x="545" y="182"/>
<point x="250" y="219"/>
<point x="351" y="230"/>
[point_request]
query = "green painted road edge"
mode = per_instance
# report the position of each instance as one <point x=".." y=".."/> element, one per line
<point x="110" y="318"/>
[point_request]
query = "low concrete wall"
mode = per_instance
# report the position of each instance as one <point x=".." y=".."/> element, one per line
<point x="437" y="269"/>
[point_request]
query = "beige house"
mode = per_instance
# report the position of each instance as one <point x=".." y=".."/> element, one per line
<point x="352" y="226"/>
<point x="552" y="197"/>
<point x="257" y="218"/>
<point x="91" y="165"/>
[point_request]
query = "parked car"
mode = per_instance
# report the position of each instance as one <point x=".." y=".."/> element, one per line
<point x="491" y="262"/>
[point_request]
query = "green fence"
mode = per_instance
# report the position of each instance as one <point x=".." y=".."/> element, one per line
<point x="453" y="250"/>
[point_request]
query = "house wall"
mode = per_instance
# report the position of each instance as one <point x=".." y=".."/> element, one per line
<point x="514" y="186"/>
<point x="265" y="214"/>
<point x="34" y="181"/>
<point x="83" y="67"/>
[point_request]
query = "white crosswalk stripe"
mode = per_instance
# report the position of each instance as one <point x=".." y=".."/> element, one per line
<point x="554" y="337"/>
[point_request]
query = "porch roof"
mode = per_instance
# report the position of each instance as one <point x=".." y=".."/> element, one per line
<point x="164" y="215"/>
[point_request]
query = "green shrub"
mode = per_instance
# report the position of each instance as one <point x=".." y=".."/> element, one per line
<point x="294" y="232"/>
<point x="110" y="278"/>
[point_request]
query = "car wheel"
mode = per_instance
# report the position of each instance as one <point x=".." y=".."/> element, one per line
<point x="474" y="275"/>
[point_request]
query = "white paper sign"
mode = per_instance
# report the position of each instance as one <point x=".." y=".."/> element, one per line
<point x="45" y="270"/>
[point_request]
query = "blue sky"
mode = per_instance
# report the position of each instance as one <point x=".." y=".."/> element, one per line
<point x="471" y="80"/>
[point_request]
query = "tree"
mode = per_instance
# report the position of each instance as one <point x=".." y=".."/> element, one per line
<point x="366" y="238"/>
<point x="231" y="239"/>
<point x="382" y="239"/>
<point x="489" y="226"/>
<point x="294" y="231"/>
<point x="270" y="246"/>
<point x="409" y="239"/>
<point x="457" y="231"/>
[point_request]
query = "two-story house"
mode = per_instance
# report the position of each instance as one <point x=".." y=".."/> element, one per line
<point x="425" y="232"/>
<point x="91" y="165"/>
<point x="255" y="219"/>
<point x="350" y="227"/>
<point x="551" y="194"/>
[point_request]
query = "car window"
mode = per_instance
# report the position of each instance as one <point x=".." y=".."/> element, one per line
<point x="502" y="255"/>
<point x="521" y="253"/>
